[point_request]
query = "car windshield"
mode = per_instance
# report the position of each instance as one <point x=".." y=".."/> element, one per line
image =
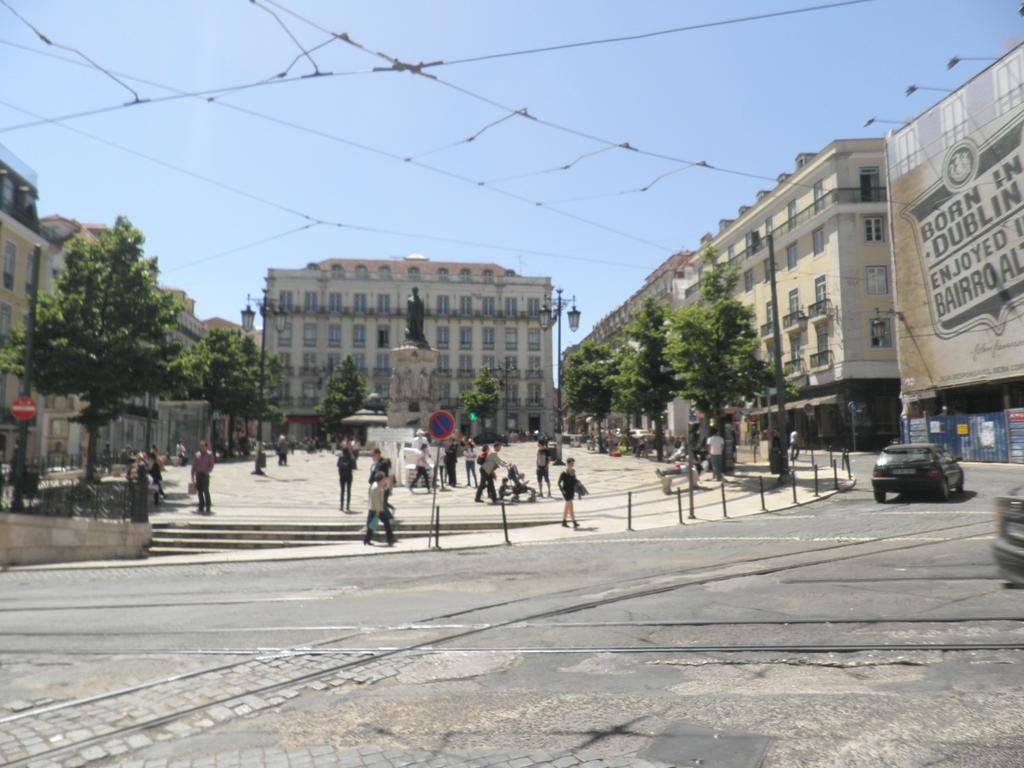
<point x="904" y="455"/>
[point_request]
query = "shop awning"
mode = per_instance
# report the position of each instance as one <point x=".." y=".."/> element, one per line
<point x="813" y="401"/>
<point x="365" y="420"/>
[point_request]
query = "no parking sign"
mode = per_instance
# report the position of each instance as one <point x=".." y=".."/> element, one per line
<point x="441" y="425"/>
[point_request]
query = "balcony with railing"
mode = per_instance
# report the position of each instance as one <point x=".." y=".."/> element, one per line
<point x="534" y="373"/>
<point x="820" y="310"/>
<point x="444" y="372"/>
<point x="466" y="373"/>
<point x="534" y="402"/>
<point x="793" y="366"/>
<point x="511" y="402"/>
<point x="821" y="359"/>
<point x="768" y="329"/>
<point x="793" y="319"/>
<point x="382" y="371"/>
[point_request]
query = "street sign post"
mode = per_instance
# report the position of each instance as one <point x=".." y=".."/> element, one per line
<point x="441" y="425"/>
<point x="23" y="409"/>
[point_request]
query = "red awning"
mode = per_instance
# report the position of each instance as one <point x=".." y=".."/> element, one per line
<point x="303" y="419"/>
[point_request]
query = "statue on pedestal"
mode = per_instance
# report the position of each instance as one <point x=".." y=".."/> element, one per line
<point x="414" y="321"/>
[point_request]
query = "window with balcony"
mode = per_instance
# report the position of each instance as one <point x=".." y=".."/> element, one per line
<point x="873" y="232"/>
<point x="334" y="303"/>
<point x="308" y="362"/>
<point x="384" y="273"/>
<point x="791" y="215"/>
<point x="870" y="185"/>
<point x="818" y="241"/>
<point x="489" y="363"/>
<point x="359" y="303"/>
<point x="358" y="335"/>
<point x="383" y="303"/>
<point x="7" y="192"/>
<point x="511" y="338"/>
<point x="1009" y="76"/>
<point x="533" y="364"/>
<point x="795" y="347"/>
<point x="511" y="364"/>
<point x="443" y="363"/>
<point x="487" y="306"/>
<point x="334" y="335"/>
<point x="731" y="253"/>
<point x="791" y="256"/>
<point x="309" y="303"/>
<point x="488" y="338"/>
<point x="533" y="340"/>
<point x="465" y="306"/>
<point x="533" y="396"/>
<point x="767" y="225"/>
<point x="359" y="359"/>
<point x="442" y="337"/>
<point x="533" y="308"/>
<point x="30" y="271"/>
<point x="876" y="281"/>
<point x="465" y="338"/>
<point x="767" y="271"/>
<point x="511" y="307"/>
<point x="383" y="337"/>
<point x="413" y="273"/>
<point x="794" y="300"/>
<point x="286" y="359"/>
<point x="309" y="335"/>
<point x="769" y="312"/>
<point x="284" y="336"/>
<point x="820" y="288"/>
<point x="443" y="306"/>
<point x="6" y="318"/>
<point x="748" y="280"/>
<point x="383" y="367"/>
<point x="822" y="339"/>
<point x="333" y="360"/>
<point x="819" y="196"/>
<point x="465" y="363"/>
<point x="285" y="301"/>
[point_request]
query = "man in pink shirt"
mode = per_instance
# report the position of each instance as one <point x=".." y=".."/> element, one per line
<point x="202" y="466"/>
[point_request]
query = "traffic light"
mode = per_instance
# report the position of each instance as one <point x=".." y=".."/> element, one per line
<point x="472" y="417"/>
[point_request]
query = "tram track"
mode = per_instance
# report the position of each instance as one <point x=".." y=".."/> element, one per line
<point x="718" y="572"/>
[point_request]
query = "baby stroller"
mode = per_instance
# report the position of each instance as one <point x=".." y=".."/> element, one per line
<point x="513" y="485"/>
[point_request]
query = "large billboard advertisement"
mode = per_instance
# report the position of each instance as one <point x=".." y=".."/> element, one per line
<point x="956" y="186"/>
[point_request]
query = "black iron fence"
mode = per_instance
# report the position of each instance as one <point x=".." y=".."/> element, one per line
<point x="48" y="491"/>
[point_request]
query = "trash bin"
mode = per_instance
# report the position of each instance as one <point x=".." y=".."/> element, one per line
<point x="776" y="460"/>
<point x="261" y="460"/>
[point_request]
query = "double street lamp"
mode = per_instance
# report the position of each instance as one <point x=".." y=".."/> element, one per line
<point x="266" y="307"/>
<point x="549" y="315"/>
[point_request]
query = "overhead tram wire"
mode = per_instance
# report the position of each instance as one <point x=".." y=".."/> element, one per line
<point x="471" y="138"/>
<point x="294" y="39"/>
<point x="135" y="95"/>
<point x="314" y="220"/>
<point x="554" y="169"/>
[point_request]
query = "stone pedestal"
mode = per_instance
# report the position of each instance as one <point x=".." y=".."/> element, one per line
<point x="414" y="391"/>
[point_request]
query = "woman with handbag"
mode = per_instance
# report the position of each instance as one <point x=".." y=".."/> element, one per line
<point x="568" y="485"/>
<point x="378" y="512"/>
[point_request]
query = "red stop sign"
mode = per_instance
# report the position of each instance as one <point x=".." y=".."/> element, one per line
<point x="23" y="409"/>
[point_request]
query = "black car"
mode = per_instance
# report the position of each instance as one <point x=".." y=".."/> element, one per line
<point x="489" y="438"/>
<point x="916" y="467"/>
<point x="1009" y="544"/>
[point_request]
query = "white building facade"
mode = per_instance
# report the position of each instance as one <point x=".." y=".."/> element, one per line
<point x="478" y="315"/>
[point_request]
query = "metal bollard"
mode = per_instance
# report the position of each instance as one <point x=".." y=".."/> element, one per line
<point x="504" y="522"/>
<point x="760" y="481"/>
<point x="679" y="504"/>
<point x="815" y="479"/>
<point x="725" y="512"/>
<point x="691" y="516"/>
<point x="629" y="511"/>
<point x="437" y="529"/>
<point x="830" y="459"/>
<point x="812" y="455"/>
<point x="835" y="474"/>
<point x="793" y="476"/>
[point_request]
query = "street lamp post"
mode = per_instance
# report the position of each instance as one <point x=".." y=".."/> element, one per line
<point x="248" y="319"/>
<point x="550" y="314"/>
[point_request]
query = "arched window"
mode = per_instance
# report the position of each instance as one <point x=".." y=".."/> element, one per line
<point x="384" y="272"/>
<point x="361" y="270"/>
<point x="442" y="274"/>
<point x="488" y="276"/>
<point x="413" y="273"/>
<point x="464" y="275"/>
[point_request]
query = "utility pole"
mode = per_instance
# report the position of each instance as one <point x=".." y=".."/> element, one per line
<point x="780" y="380"/>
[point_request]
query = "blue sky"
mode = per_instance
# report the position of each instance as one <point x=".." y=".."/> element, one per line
<point x="748" y="96"/>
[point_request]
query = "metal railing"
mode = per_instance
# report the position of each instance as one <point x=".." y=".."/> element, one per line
<point x="819" y="309"/>
<point x="821" y="359"/>
<point x="466" y="373"/>
<point x="793" y="318"/>
<point x="768" y="329"/>
<point x="793" y="366"/>
<point x="534" y="373"/>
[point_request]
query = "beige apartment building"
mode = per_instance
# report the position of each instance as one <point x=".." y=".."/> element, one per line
<point x="478" y="315"/>
<point x="828" y="220"/>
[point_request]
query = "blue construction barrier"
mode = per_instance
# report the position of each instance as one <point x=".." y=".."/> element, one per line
<point x="992" y="437"/>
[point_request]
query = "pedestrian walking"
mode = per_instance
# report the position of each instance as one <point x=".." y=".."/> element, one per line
<point x="423" y="467"/>
<point x="346" y="465"/>
<point x="378" y="513"/>
<point x="381" y="463"/>
<point x="282" y="451"/>
<point x="567" y="483"/>
<point x="543" y="464"/>
<point x="716" y="452"/>
<point x="202" y="468"/>
<point x="794" y="445"/>
<point x="469" y="454"/>
<point x="489" y="462"/>
<point x="451" y="461"/>
<point x="182" y="453"/>
<point x="420" y="440"/>
<point x="156" y="475"/>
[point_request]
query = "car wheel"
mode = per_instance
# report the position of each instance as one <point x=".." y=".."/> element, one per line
<point x="960" y="485"/>
<point x="880" y="497"/>
<point x="944" y="490"/>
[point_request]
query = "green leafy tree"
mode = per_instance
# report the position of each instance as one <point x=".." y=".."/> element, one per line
<point x="712" y="344"/>
<point x="346" y="393"/>
<point x="589" y="382"/>
<point x="223" y="369"/>
<point x="104" y="333"/>
<point x="644" y="382"/>
<point x="485" y="395"/>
